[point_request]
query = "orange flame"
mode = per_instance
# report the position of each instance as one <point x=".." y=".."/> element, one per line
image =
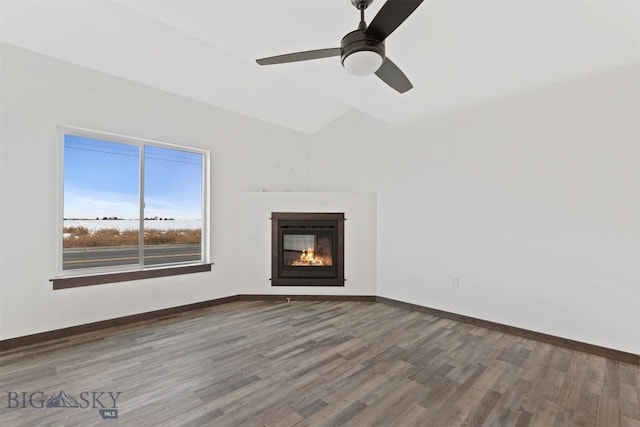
<point x="308" y="257"/>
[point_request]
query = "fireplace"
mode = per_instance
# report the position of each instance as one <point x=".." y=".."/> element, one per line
<point x="307" y="249"/>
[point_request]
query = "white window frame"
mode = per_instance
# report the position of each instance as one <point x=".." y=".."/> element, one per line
<point x="63" y="130"/>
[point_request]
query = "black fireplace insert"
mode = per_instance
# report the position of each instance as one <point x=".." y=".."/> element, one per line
<point x="307" y="249"/>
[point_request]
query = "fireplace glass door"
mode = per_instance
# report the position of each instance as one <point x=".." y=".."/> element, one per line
<point x="307" y="250"/>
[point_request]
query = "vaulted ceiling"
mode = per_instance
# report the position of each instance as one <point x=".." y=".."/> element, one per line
<point x="456" y="53"/>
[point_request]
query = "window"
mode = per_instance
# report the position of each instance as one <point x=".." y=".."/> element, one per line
<point x="130" y="204"/>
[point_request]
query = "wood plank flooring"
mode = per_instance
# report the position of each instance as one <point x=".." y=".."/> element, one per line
<point x="313" y="364"/>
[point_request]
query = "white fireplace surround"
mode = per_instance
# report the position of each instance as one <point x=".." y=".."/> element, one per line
<point x="359" y="239"/>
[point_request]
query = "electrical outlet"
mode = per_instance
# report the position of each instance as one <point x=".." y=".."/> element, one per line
<point x="455" y="282"/>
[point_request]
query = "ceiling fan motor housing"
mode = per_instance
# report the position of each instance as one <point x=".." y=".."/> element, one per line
<point x="359" y="40"/>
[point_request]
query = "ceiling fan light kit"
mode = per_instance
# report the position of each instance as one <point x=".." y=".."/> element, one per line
<point x="362" y="63"/>
<point x="362" y="52"/>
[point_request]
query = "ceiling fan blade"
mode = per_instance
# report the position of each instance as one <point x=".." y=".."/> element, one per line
<point x="393" y="76"/>
<point x="391" y="15"/>
<point x="300" y="56"/>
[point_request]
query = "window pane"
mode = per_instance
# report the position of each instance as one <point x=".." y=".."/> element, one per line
<point x="173" y="205"/>
<point x="101" y="203"/>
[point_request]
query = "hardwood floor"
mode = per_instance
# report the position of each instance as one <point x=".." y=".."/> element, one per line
<point x="308" y="364"/>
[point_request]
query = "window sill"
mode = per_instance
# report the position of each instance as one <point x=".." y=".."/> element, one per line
<point x="101" y="279"/>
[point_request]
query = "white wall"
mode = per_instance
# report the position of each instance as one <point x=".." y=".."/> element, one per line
<point x="531" y="201"/>
<point x="359" y="239"/>
<point x="39" y="93"/>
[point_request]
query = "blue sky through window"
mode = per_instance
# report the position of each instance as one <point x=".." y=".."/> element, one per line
<point x="101" y="179"/>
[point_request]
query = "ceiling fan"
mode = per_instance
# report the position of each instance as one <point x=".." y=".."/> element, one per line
<point x="362" y="51"/>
